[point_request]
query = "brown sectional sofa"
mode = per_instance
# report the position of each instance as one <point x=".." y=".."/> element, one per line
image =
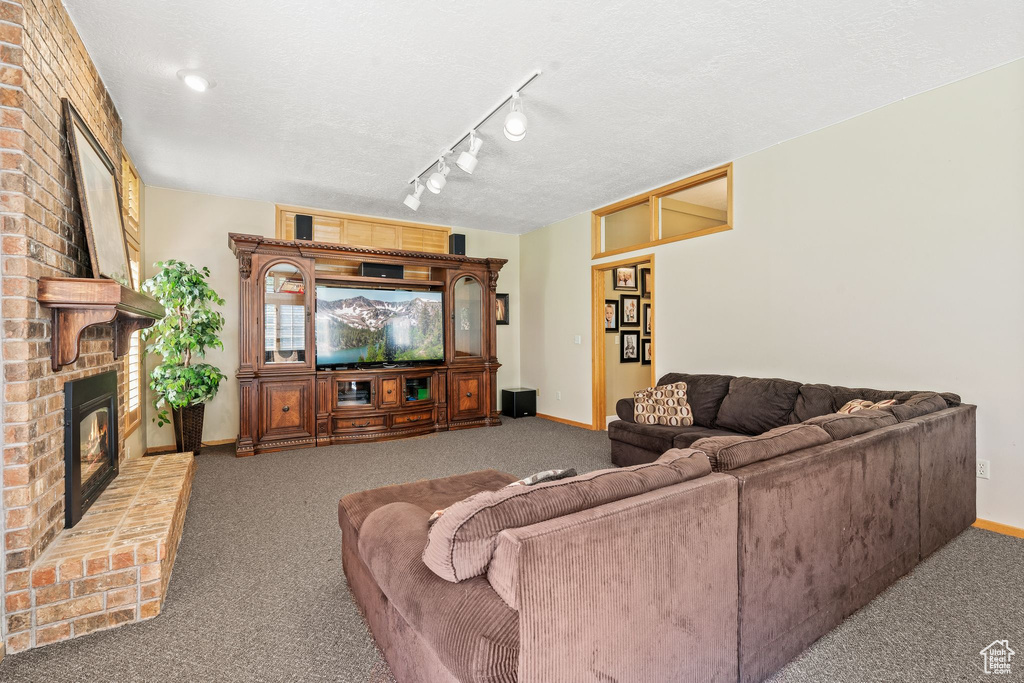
<point x="703" y="576"/>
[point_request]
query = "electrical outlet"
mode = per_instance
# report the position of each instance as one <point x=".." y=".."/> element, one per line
<point x="984" y="469"/>
<point x="558" y="395"/>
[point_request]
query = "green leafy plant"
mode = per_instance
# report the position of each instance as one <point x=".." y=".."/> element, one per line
<point x="189" y="327"/>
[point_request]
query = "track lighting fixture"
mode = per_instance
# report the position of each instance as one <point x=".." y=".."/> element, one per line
<point x="439" y="178"/>
<point x="515" y="120"/>
<point x="514" y="129"/>
<point x="413" y="200"/>
<point x="468" y="159"/>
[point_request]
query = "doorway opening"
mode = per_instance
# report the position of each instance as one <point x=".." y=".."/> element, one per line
<point x="622" y="305"/>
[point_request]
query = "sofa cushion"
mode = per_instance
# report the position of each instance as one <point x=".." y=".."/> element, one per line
<point x="470" y="628"/>
<point x="753" y="405"/>
<point x="654" y="438"/>
<point x="460" y="543"/>
<point x="813" y="400"/>
<point x="691" y="434"/>
<point x="844" y="425"/>
<point x="427" y="494"/>
<point x="664" y="404"/>
<point x="729" y="452"/>
<point x="704" y="393"/>
<point x="918" y="405"/>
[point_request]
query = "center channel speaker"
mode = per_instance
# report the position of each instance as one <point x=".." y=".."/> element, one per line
<point x="303" y="227"/>
<point x="388" y="270"/>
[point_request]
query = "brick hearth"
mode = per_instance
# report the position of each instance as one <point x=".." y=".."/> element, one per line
<point x="113" y="567"/>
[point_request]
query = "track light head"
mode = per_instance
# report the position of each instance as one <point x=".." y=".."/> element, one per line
<point x="468" y="159"/>
<point x="439" y="178"/>
<point x="413" y="200"/>
<point x="515" y="120"/>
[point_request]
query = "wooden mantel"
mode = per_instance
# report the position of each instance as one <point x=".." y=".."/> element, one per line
<point x="79" y="303"/>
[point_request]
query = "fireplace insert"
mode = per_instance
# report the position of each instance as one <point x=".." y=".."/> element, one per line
<point x="90" y="442"/>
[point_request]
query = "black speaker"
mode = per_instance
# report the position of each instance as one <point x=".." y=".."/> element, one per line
<point x="457" y="244"/>
<point x="519" y="402"/>
<point x="387" y="270"/>
<point x="303" y="227"/>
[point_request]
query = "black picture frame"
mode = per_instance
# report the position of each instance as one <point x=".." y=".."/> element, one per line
<point x="645" y="351"/>
<point x="100" y="198"/>
<point x="630" y="302"/>
<point x="614" y="305"/>
<point x="645" y="283"/>
<point x="647" y="320"/>
<point x="629" y="352"/>
<point x="501" y="310"/>
<point x="627" y="276"/>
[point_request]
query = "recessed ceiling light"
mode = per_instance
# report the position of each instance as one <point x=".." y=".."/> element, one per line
<point x="196" y="80"/>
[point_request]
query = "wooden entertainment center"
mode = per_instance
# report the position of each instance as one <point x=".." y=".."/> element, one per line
<point x="286" y="402"/>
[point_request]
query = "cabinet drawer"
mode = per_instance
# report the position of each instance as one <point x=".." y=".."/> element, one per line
<point x="345" y="424"/>
<point x="420" y="416"/>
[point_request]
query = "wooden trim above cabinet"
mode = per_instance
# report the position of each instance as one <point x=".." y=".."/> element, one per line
<point x="368" y="231"/>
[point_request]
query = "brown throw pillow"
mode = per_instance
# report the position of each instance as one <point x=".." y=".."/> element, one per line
<point x="461" y="542"/>
<point x="918" y="405"/>
<point x="662" y="405"/>
<point x="844" y="425"/>
<point x="730" y="452"/>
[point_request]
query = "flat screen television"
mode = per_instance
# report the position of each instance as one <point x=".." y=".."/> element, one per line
<point x="357" y="326"/>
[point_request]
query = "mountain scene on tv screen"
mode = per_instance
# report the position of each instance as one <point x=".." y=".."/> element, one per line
<point x="396" y="327"/>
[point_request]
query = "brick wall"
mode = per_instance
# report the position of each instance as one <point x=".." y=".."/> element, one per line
<point x="42" y="59"/>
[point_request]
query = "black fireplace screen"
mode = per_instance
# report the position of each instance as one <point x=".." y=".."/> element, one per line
<point x="90" y="442"/>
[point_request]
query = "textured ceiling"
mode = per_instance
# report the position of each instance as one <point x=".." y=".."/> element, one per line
<point x="335" y="104"/>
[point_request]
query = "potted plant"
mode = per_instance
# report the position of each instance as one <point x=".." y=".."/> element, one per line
<point x="190" y="327"/>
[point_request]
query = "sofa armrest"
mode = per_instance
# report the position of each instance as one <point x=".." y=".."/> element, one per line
<point x="624" y="409"/>
<point x="630" y="590"/>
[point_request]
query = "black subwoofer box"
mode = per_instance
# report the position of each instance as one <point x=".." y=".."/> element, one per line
<point x="521" y="402"/>
<point x="457" y="244"/>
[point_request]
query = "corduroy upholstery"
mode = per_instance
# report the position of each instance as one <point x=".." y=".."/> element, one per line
<point x="640" y="589"/>
<point x="730" y="452"/>
<point x="921" y="404"/>
<point x="754" y="405"/>
<point x="462" y="540"/>
<point x="844" y="425"/>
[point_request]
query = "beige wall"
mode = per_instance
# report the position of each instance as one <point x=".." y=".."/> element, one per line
<point x="884" y="251"/>
<point x="193" y="227"/>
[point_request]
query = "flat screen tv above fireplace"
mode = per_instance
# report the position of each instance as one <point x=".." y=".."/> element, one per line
<point x="90" y="442"/>
<point x="357" y="327"/>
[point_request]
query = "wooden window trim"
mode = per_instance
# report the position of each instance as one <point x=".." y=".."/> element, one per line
<point x="281" y="209"/>
<point x="133" y="239"/>
<point x="654" y="198"/>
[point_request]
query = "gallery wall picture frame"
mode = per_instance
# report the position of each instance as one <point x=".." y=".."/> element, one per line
<point x="645" y="352"/>
<point x="624" y="279"/>
<point x="611" y="315"/>
<point x="501" y="311"/>
<point x="645" y="283"/>
<point x="629" y="310"/>
<point x="647" y="319"/>
<point x="98" y="194"/>
<point x="629" y="346"/>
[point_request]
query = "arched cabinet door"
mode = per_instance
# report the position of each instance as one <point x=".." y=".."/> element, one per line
<point x="285" y="329"/>
<point x="468" y="318"/>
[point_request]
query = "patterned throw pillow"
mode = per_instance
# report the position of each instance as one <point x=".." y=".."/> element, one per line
<point x="863" y="404"/>
<point x="664" y="405"/>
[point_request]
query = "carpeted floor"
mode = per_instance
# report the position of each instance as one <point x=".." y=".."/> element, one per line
<point x="258" y="593"/>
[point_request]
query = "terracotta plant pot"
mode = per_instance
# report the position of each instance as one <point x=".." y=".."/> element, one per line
<point x="188" y="428"/>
